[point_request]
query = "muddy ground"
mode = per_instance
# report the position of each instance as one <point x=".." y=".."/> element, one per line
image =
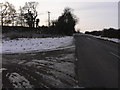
<point x="53" y="69"/>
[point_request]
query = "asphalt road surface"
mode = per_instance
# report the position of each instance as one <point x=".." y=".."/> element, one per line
<point x="97" y="62"/>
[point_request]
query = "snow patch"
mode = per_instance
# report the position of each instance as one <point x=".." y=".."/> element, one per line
<point x="2" y="69"/>
<point x="19" y="81"/>
<point x="21" y="62"/>
<point x="39" y="63"/>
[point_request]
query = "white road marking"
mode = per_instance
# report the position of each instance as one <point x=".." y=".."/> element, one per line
<point x="115" y="55"/>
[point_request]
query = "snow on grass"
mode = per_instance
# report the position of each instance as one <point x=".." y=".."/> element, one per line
<point x="19" y="81"/>
<point x="109" y="39"/>
<point x="106" y="38"/>
<point x="21" y="62"/>
<point x="35" y="44"/>
<point x="39" y="63"/>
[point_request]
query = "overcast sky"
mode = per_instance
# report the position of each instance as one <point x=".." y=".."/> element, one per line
<point x="92" y="14"/>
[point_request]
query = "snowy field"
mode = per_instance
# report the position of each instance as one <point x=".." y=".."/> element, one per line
<point x="106" y="38"/>
<point x="23" y="45"/>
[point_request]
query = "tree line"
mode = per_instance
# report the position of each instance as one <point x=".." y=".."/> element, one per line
<point x="65" y="24"/>
<point x="27" y="17"/>
<point x="111" y="33"/>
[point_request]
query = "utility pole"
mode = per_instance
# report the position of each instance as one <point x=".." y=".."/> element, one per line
<point x="13" y="20"/>
<point x="48" y="18"/>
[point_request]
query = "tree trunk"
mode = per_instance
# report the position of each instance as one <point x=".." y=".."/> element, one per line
<point x="2" y="19"/>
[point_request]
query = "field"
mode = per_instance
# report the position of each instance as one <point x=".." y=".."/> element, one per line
<point x="51" y="66"/>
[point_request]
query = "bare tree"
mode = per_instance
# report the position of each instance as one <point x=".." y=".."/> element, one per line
<point x="30" y="13"/>
<point x="7" y="13"/>
<point x="20" y="18"/>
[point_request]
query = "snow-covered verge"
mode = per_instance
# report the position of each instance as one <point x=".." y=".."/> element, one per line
<point x="23" y="45"/>
<point x="106" y="38"/>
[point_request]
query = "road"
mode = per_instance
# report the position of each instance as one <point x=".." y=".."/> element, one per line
<point x="96" y="62"/>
